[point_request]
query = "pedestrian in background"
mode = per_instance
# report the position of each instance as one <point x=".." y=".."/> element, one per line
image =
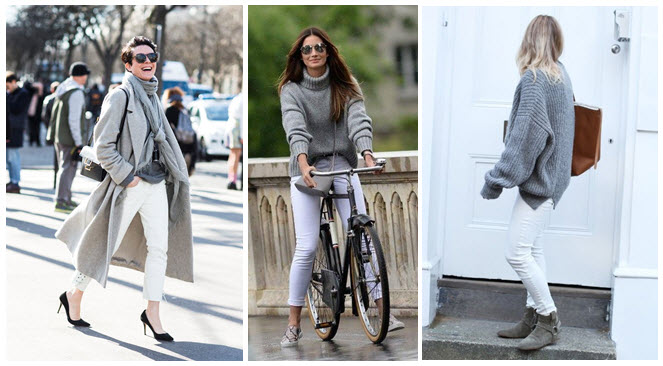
<point x="139" y="216"/>
<point x="234" y="139"/>
<point x="94" y="99"/>
<point x="68" y="129"/>
<point x="18" y="101"/>
<point x="181" y="124"/>
<point x="47" y="107"/>
<point x="36" y="91"/>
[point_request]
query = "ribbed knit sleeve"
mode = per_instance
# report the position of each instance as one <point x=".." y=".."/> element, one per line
<point x="360" y="128"/>
<point x="294" y="122"/>
<point x="526" y="139"/>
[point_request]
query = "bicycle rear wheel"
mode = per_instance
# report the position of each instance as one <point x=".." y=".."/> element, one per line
<point x="370" y="285"/>
<point x="323" y="317"/>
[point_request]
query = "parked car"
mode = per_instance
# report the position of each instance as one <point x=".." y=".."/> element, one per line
<point x="209" y="118"/>
<point x="197" y="89"/>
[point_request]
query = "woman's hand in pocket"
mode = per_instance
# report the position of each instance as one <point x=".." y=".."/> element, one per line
<point x="134" y="182"/>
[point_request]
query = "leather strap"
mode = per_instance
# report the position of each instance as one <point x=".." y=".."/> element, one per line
<point x="598" y="147"/>
<point x="553" y="329"/>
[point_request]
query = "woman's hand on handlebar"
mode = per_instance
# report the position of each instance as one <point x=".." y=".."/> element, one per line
<point x="308" y="179"/>
<point x="370" y="162"/>
<point x="306" y="170"/>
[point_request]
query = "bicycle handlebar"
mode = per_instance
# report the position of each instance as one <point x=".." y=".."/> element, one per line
<point x="380" y="164"/>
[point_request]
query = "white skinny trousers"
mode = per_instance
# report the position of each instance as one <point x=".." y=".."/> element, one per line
<point x="306" y="213"/>
<point x="150" y="201"/>
<point x="524" y="252"/>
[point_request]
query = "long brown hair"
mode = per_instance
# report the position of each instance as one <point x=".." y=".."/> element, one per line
<point x="343" y="85"/>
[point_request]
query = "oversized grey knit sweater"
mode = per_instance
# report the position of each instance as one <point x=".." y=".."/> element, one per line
<point x="539" y="142"/>
<point x="306" y="116"/>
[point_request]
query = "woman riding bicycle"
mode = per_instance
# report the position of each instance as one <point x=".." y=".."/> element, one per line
<point x="326" y="124"/>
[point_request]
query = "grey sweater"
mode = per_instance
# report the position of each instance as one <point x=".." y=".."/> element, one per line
<point x="305" y="110"/>
<point x="539" y="142"/>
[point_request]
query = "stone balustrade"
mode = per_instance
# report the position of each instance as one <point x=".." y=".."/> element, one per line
<point x="392" y="201"/>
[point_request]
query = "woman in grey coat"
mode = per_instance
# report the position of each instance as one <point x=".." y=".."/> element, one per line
<point x="536" y="159"/>
<point x="139" y="216"/>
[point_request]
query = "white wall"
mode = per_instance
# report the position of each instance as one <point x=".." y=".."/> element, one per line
<point x="436" y="88"/>
<point x="428" y="24"/>
<point x="635" y="299"/>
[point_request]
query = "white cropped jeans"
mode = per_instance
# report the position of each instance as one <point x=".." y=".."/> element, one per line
<point x="524" y="252"/>
<point x="150" y="201"/>
<point x="306" y="213"/>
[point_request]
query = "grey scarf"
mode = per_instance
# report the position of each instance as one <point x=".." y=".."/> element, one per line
<point x="146" y="93"/>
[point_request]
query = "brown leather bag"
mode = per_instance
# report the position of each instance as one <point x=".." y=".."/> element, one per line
<point x="587" y="139"/>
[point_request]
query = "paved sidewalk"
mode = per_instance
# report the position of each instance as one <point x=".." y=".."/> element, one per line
<point x="350" y="343"/>
<point x="205" y="317"/>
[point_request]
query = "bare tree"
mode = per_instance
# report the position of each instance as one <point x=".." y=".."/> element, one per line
<point x="209" y="42"/>
<point x="158" y="18"/>
<point x="105" y="30"/>
<point x="38" y="32"/>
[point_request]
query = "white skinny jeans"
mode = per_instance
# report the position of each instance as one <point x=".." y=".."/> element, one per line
<point x="150" y="201"/>
<point x="524" y="252"/>
<point x="306" y="213"/>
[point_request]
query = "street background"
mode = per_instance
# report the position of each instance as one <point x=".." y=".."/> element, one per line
<point x="42" y="41"/>
<point x="204" y="317"/>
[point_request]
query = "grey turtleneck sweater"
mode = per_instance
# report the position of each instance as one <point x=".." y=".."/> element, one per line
<point x="306" y="116"/>
<point x="539" y="142"/>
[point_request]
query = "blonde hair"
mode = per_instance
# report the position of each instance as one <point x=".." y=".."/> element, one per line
<point x="541" y="47"/>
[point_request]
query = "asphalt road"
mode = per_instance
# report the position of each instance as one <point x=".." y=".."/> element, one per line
<point x="205" y="317"/>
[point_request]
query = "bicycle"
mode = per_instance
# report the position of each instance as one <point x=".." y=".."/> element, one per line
<point x="363" y="258"/>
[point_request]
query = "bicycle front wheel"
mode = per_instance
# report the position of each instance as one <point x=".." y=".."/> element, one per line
<point x="323" y="317"/>
<point x="370" y="286"/>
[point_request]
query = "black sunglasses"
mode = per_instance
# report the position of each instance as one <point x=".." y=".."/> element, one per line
<point x="319" y="48"/>
<point x="141" y="57"/>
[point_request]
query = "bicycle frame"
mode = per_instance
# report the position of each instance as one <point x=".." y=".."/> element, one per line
<point x="352" y="243"/>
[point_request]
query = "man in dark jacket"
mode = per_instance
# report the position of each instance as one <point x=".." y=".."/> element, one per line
<point x="18" y="101"/>
<point x="68" y="131"/>
<point x="94" y="99"/>
<point x="36" y="91"/>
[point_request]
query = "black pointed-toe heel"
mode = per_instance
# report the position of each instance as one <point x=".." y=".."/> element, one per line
<point x="65" y="303"/>
<point x="158" y="336"/>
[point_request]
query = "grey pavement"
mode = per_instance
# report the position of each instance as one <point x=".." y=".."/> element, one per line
<point x="474" y="339"/>
<point x="349" y="344"/>
<point x="204" y="317"/>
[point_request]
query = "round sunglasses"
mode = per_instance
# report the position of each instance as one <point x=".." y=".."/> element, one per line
<point x="319" y="48"/>
<point x="141" y="57"/>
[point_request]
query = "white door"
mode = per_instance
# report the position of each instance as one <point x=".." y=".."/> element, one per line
<point x="579" y="239"/>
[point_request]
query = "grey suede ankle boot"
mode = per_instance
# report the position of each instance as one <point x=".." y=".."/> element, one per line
<point x="523" y="328"/>
<point x="545" y="332"/>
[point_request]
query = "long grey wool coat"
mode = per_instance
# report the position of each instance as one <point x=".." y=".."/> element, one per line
<point x="92" y="229"/>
